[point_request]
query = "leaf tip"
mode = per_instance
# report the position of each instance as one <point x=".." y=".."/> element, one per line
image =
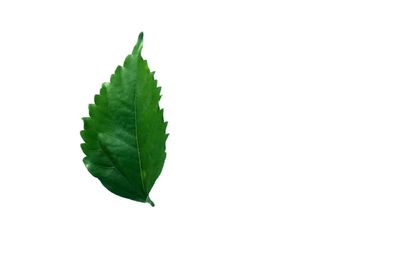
<point x="139" y="44"/>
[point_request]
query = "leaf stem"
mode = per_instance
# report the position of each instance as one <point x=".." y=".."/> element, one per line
<point x="148" y="200"/>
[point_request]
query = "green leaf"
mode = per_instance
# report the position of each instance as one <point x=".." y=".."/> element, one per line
<point x="124" y="137"/>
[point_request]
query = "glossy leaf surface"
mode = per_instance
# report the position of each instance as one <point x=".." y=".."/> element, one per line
<point x="125" y="135"/>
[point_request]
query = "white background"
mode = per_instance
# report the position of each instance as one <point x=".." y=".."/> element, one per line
<point x="283" y="120"/>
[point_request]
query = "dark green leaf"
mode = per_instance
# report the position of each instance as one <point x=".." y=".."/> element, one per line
<point x="124" y="137"/>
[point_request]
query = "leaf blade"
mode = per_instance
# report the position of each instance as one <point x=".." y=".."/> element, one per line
<point x="125" y="133"/>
